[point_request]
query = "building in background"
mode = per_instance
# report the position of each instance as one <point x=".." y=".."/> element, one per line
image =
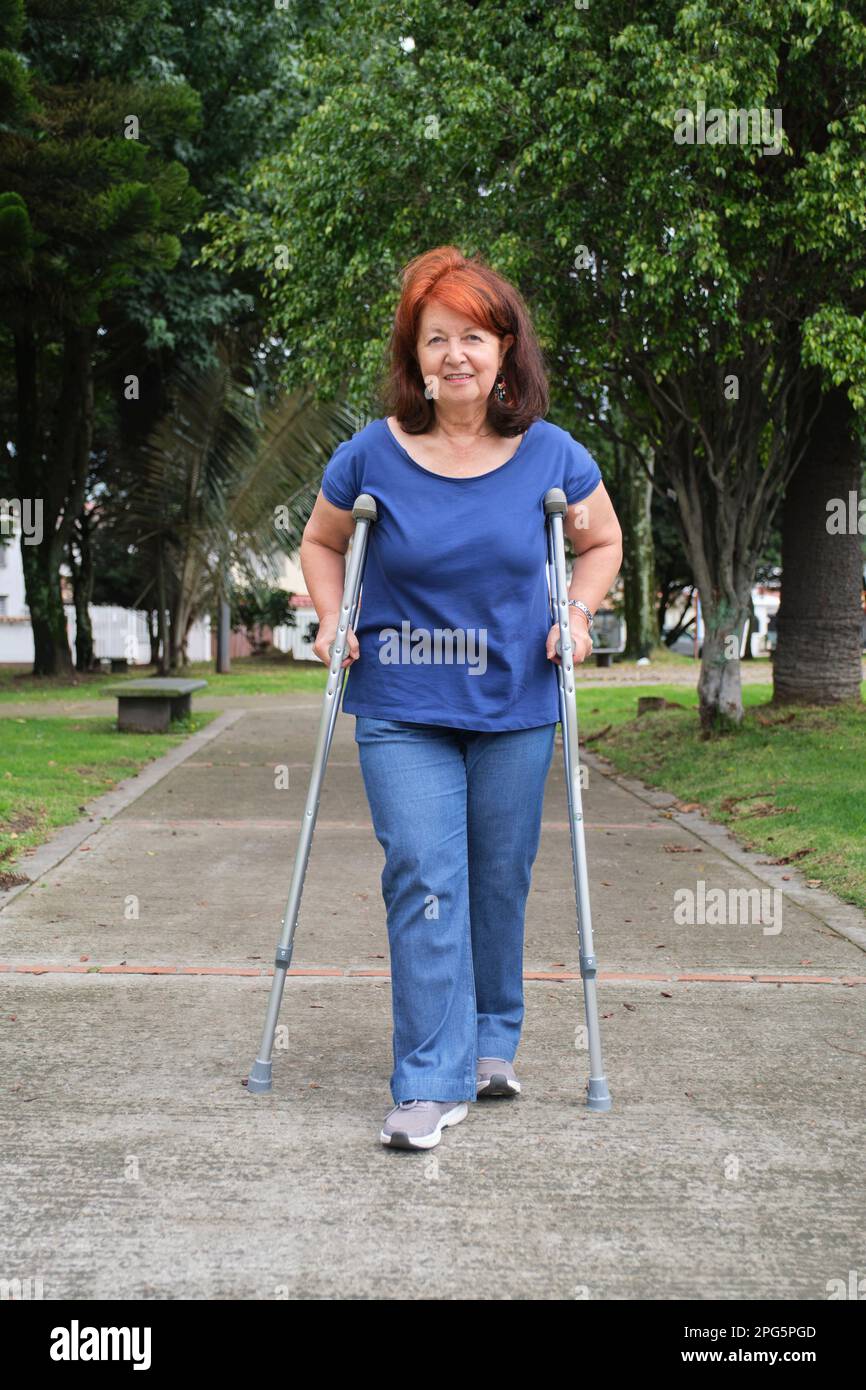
<point x="117" y="632"/>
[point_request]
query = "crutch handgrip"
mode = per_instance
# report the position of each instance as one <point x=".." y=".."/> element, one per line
<point x="365" y="507"/>
<point x="555" y="501"/>
<point x="364" y="510"/>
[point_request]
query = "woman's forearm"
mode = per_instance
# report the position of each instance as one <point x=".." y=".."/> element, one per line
<point x="324" y="572"/>
<point x="594" y="572"/>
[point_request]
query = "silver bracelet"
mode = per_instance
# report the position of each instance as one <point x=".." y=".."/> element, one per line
<point x="576" y="603"/>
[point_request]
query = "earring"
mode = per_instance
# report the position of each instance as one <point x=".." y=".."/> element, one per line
<point x="499" y="387"/>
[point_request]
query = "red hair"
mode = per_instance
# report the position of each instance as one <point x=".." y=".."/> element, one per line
<point x="469" y="287"/>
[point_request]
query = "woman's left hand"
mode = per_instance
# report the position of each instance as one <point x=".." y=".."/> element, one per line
<point x="581" y="640"/>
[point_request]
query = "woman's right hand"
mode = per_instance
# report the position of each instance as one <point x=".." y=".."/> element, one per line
<point x="323" y="645"/>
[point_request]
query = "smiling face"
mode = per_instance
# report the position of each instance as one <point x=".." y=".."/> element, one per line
<point x="459" y="359"/>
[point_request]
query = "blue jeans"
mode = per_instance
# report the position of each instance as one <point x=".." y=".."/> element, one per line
<point x="458" y="814"/>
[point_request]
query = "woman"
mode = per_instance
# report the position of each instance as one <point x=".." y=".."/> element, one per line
<point x="452" y="677"/>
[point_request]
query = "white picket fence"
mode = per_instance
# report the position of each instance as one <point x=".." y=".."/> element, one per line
<point x="292" y="639"/>
<point x="117" y="632"/>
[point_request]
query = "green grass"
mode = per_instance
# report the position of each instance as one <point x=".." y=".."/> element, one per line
<point x="50" y="769"/>
<point x="790" y="781"/>
<point x="787" y="781"/>
<point x="248" y="676"/>
<point x="270" y="675"/>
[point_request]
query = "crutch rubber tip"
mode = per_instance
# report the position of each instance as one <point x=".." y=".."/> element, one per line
<point x="260" y="1079"/>
<point x="598" y="1096"/>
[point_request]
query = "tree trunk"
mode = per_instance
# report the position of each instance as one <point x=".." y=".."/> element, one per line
<point x="153" y="635"/>
<point x="638" y="565"/>
<point x="82" y="589"/>
<point x="52" y="470"/>
<point x="818" y="649"/>
<point x="41" y="565"/>
<point x="161" y="609"/>
<point x="223" y="661"/>
<point x="720" y="686"/>
<point x="41" y="561"/>
<point x="751" y="629"/>
<point x="176" y="637"/>
<point x="723" y="574"/>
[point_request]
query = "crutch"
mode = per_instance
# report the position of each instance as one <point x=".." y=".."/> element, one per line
<point x="555" y="506"/>
<point x="364" y="512"/>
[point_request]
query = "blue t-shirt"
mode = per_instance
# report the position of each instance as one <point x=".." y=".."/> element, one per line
<point x="454" y="610"/>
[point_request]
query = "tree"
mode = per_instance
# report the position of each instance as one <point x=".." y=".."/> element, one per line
<point x="225" y="483"/>
<point x="88" y="206"/>
<point x="98" y="235"/>
<point x="704" y="290"/>
<point x="257" y="606"/>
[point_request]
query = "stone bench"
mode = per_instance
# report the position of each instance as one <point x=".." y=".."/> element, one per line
<point x="148" y="706"/>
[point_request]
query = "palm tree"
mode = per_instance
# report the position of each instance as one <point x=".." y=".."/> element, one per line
<point x="216" y="474"/>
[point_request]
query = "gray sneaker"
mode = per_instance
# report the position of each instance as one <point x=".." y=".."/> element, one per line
<point x="418" y="1124"/>
<point x="496" y="1077"/>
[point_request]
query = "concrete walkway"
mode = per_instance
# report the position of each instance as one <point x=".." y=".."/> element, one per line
<point x="136" y="1165"/>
